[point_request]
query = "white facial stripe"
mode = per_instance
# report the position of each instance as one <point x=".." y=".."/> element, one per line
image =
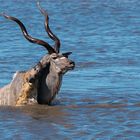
<point x="62" y="58"/>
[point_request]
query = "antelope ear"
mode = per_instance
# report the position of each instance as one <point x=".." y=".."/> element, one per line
<point x="66" y="54"/>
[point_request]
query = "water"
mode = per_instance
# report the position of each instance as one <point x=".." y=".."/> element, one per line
<point x="100" y="99"/>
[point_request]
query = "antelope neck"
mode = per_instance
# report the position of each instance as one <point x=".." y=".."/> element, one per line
<point x="49" y="85"/>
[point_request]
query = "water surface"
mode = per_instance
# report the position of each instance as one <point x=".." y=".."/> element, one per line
<point x="100" y="99"/>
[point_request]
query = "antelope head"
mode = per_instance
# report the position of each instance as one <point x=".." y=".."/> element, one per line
<point x="59" y="62"/>
<point x="52" y="66"/>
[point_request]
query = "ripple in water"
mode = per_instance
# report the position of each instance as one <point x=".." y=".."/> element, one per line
<point x="100" y="98"/>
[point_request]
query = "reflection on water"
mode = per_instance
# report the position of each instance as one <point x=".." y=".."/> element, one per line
<point x="100" y="98"/>
<point x="86" y="120"/>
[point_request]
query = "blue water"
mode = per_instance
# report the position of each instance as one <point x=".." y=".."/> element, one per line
<point x="100" y="99"/>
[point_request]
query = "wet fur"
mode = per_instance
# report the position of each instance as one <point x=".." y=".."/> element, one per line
<point x="23" y="88"/>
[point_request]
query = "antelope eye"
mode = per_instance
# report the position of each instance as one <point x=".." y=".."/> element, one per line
<point x="54" y="57"/>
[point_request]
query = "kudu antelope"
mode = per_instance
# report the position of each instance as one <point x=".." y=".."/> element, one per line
<point x="41" y="83"/>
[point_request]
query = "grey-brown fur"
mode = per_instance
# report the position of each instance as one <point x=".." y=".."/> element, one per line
<point x="38" y="85"/>
<point x="22" y="82"/>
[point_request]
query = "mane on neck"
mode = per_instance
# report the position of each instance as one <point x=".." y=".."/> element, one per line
<point x="31" y="77"/>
